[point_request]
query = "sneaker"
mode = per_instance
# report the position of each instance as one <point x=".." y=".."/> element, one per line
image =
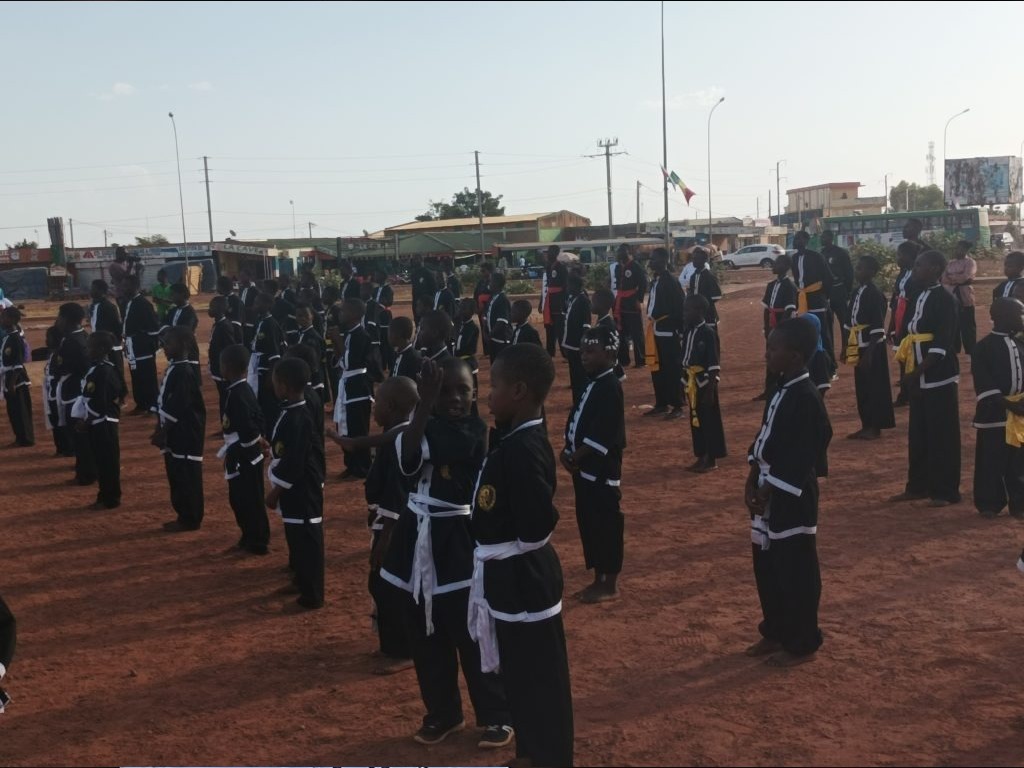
<point x="435" y="734"/>
<point x="496" y="736"/>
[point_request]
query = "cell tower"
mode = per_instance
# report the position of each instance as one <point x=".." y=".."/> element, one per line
<point x="930" y="157"/>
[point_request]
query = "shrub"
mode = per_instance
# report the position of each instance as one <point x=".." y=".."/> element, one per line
<point x="886" y="258"/>
<point x="519" y="287"/>
<point x="598" y="275"/>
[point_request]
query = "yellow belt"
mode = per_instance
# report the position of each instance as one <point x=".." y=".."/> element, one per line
<point x="1014" y="424"/>
<point x="853" y="345"/>
<point x="692" y="372"/>
<point x="801" y="299"/>
<point x="651" y="347"/>
<point x="905" y="353"/>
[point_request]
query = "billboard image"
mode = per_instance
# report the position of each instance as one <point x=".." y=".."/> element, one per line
<point x="982" y="181"/>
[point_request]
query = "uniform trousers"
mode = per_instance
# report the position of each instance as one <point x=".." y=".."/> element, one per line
<point x="789" y="587"/>
<point x="246" y="494"/>
<point x="185" y="478"/>
<point x="554" y="332"/>
<point x="709" y="437"/>
<point x="306" y="557"/>
<point x="632" y="325"/>
<point x="934" y="443"/>
<point x="85" y="462"/>
<point x="874" y="392"/>
<point x="357" y="420"/>
<point x="19" y="411"/>
<point x="577" y="374"/>
<point x="668" y="387"/>
<point x="144" y="384"/>
<point x="998" y="472"/>
<point x="389" y="616"/>
<point x="105" y="444"/>
<point x="601" y="524"/>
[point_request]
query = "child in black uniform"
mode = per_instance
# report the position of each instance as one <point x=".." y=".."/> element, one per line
<point x="72" y="364"/>
<point x="602" y="301"/>
<point x="267" y="346"/>
<point x="523" y="331"/>
<point x="435" y="335"/>
<point x="779" y="304"/>
<point x="14" y="382"/>
<point x="406" y="359"/>
<point x="386" y="496"/>
<point x="358" y="367"/>
<point x="181" y="312"/>
<point x="309" y="336"/>
<point x="516" y="597"/>
<point x="499" y="329"/>
<point x="242" y="423"/>
<point x="61" y="435"/>
<point x="577" y="320"/>
<point x="595" y="436"/>
<point x="703" y="283"/>
<point x="1013" y="269"/>
<point x="467" y="341"/>
<point x="866" y="349"/>
<point x="431" y="555"/>
<point x="140" y="332"/>
<point x="782" y="496"/>
<point x="297" y="482"/>
<point x="998" y="368"/>
<point x="224" y="334"/>
<point x="311" y="395"/>
<point x="100" y="401"/>
<point x="181" y="431"/>
<point x="700" y="365"/>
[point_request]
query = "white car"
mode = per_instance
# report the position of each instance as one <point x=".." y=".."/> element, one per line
<point x="753" y="256"/>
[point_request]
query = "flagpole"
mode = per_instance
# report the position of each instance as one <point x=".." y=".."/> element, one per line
<point x="664" y="127"/>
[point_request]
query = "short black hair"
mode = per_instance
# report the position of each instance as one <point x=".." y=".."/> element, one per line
<point x="574" y="280"/>
<point x="180" y="289"/>
<point x="71" y="312"/>
<point x="401" y="390"/>
<point x="132" y="281"/>
<point x="468" y="301"/>
<point x="402" y="326"/>
<point x="293" y="373"/>
<point x="103" y="340"/>
<point x="271" y="287"/>
<point x="660" y="253"/>
<point x="1015" y="256"/>
<point x="330" y="294"/>
<point x="498" y="278"/>
<point x="871" y="263"/>
<point x="936" y="260"/>
<point x="14" y="313"/>
<point x="828" y="234"/>
<point x="520" y="305"/>
<point x="304" y="305"/>
<point x="699" y="301"/>
<point x="356" y="304"/>
<point x="219" y="301"/>
<point x="235" y="356"/>
<point x="53" y="337"/>
<point x="699" y="251"/>
<point x="305" y="353"/>
<point x="225" y="283"/>
<point x="101" y="285"/>
<point x="799" y="335"/>
<point x="603" y="336"/>
<point x="438" y="322"/>
<point x="528" y="364"/>
<point x="486" y="267"/>
<point x="603" y="294"/>
<point x="915" y="224"/>
<point x="803" y="234"/>
<point x="453" y="365"/>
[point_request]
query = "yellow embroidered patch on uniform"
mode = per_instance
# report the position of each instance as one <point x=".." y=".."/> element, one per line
<point x="486" y="497"/>
<point x="446" y="473"/>
<point x="8" y="352"/>
<point x="90" y="386"/>
<point x="278" y="449"/>
<point x="261" y="336"/>
<point x="225" y="422"/>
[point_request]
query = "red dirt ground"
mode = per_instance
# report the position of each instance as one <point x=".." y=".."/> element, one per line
<point x="141" y="648"/>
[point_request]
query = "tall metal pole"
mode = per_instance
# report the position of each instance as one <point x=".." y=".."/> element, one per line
<point x="294" y="230"/>
<point x="104" y="238"/>
<point x="717" y="104"/>
<point x="886" y="182"/>
<point x="778" y="192"/>
<point x="71" y="226"/>
<point x="769" y="205"/>
<point x="1020" y="236"/>
<point x="946" y="128"/>
<point x="479" y="201"/>
<point x="664" y="129"/>
<point x="638" y="206"/>
<point x="209" y="211"/>
<point x="311" y="225"/>
<point x="181" y="195"/>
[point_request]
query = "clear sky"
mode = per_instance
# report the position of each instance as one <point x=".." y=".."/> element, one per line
<point x="364" y="112"/>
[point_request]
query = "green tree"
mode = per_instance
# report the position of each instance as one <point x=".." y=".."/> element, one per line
<point x="463" y="206"/>
<point x="927" y="198"/>
<point x="1012" y="212"/>
<point x="146" y="242"/>
<point x="26" y="243"/>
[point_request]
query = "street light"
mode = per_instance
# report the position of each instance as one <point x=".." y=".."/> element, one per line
<point x="292" y="204"/>
<point x="954" y="117"/>
<point x="717" y="104"/>
<point x="311" y="225"/>
<point x="181" y="196"/>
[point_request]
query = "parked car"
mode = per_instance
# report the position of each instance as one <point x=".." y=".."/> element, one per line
<point x="753" y="256"/>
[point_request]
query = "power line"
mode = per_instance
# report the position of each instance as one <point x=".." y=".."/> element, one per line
<point x="87" y="167"/>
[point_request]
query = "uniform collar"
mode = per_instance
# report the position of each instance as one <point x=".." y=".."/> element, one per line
<point x="289" y="406"/>
<point x="798" y="377"/>
<point x="234" y="384"/>
<point x="522" y="427"/>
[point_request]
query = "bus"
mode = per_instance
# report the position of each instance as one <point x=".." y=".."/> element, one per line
<point x="969" y="224"/>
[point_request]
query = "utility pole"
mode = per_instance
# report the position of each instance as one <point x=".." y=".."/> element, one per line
<point x="479" y="201"/>
<point x="886" y="209"/>
<point x="638" y="207"/>
<point x="209" y="211"/>
<point x="71" y="225"/>
<point x="778" y="190"/>
<point x="664" y="131"/>
<point x="311" y="225"/>
<point x="758" y="216"/>
<point x="104" y="238"/>
<point x="710" y="224"/>
<point x="606" y="145"/>
<point x="769" y="205"/>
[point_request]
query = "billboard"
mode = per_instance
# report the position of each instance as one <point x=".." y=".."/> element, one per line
<point x="982" y="181"/>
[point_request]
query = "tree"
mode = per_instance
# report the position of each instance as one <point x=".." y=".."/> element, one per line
<point x="146" y="242"/>
<point x="26" y="243"/>
<point x="920" y="198"/>
<point x="463" y="206"/>
<point x="1012" y="212"/>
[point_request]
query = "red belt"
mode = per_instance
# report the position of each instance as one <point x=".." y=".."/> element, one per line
<point x="481" y="302"/>
<point x="901" y="310"/>
<point x="552" y="290"/>
<point x="773" y="316"/>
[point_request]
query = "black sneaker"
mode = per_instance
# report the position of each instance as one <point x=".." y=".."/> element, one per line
<point x="496" y="736"/>
<point x="435" y="734"/>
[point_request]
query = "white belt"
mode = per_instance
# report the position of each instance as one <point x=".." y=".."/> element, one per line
<point x="424" y="573"/>
<point x="593" y="479"/>
<point x="481" y="617"/>
<point x="62" y="420"/>
<point x="356" y="372"/>
<point x="382" y="514"/>
<point x="300" y="521"/>
<point x="252" y="376"/>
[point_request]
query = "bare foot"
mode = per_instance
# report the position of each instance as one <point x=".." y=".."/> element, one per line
<point x="785" y="659"/>
<point x="763" y="647"/>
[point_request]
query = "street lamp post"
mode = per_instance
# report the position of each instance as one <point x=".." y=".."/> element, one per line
<point x="311" y="225"/>
<point x="717" y="104"/>
<point x="181" y="196"/>
<point x="294" y="230"/>
<point x="946" y="128"/>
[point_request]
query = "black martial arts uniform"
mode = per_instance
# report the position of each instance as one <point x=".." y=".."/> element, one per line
<point x="351" y="288"/>
<point x="407" y="362"/>
<point x="934" y="431"/>
<point x="312" y="339"/>
<point x="865" y="335"/>
<point x="444" y="300"/>
<point x="243" y="425"/>
<point x="552" y="303"/>
<point x="284" y="313"/>
<point x="839" y="264"/>
<point x="424" y="286"/>
<point x="454" y="285"/>
<point x="101" y="400"/>
<point x="437" y="577"/>
<point x="141" y="329"/>
<point x="998" y="369"/>
<point x="72" y="365"/>
<point x="700" y="364"/>
<point x="224" y="334"/>
<point x="358" y="368"/>
<point x="814" y="282"/>
<point x="517" y="592"/>
<point x="8" y="637"/>
<point x="182" y="413"/>
<point x="629" y="284"/>
<point x="608" y="321"/>
<point x="902" y="293"/>
<point x="482" y="297"/>
<point x="499" y="325"/>
<point x="664" y="355"/>
<point x="384" y="296"/>
<point x="786" y="454"/>
<point x="315" y="406"/>
<point x="184" y="315"/>
<point x="576" y="323"/>
<point x="247" y="296"/>
<point x="525" y="333"/>
<point x="296" y="469"/>
<point x="598" y="421"/>
<point x="1005" y="289"/>
<point x="267" y="346"/>
<point x="61" y="434"/>
<point x="105" y="316"/>
<point x="235" y="313"/>
<point x="704" y="283"/>
<point x="386" y="496"/>
<point x="467" y="341"/>
<point x="779" y="304"/>
<point x="16" y="387"/>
